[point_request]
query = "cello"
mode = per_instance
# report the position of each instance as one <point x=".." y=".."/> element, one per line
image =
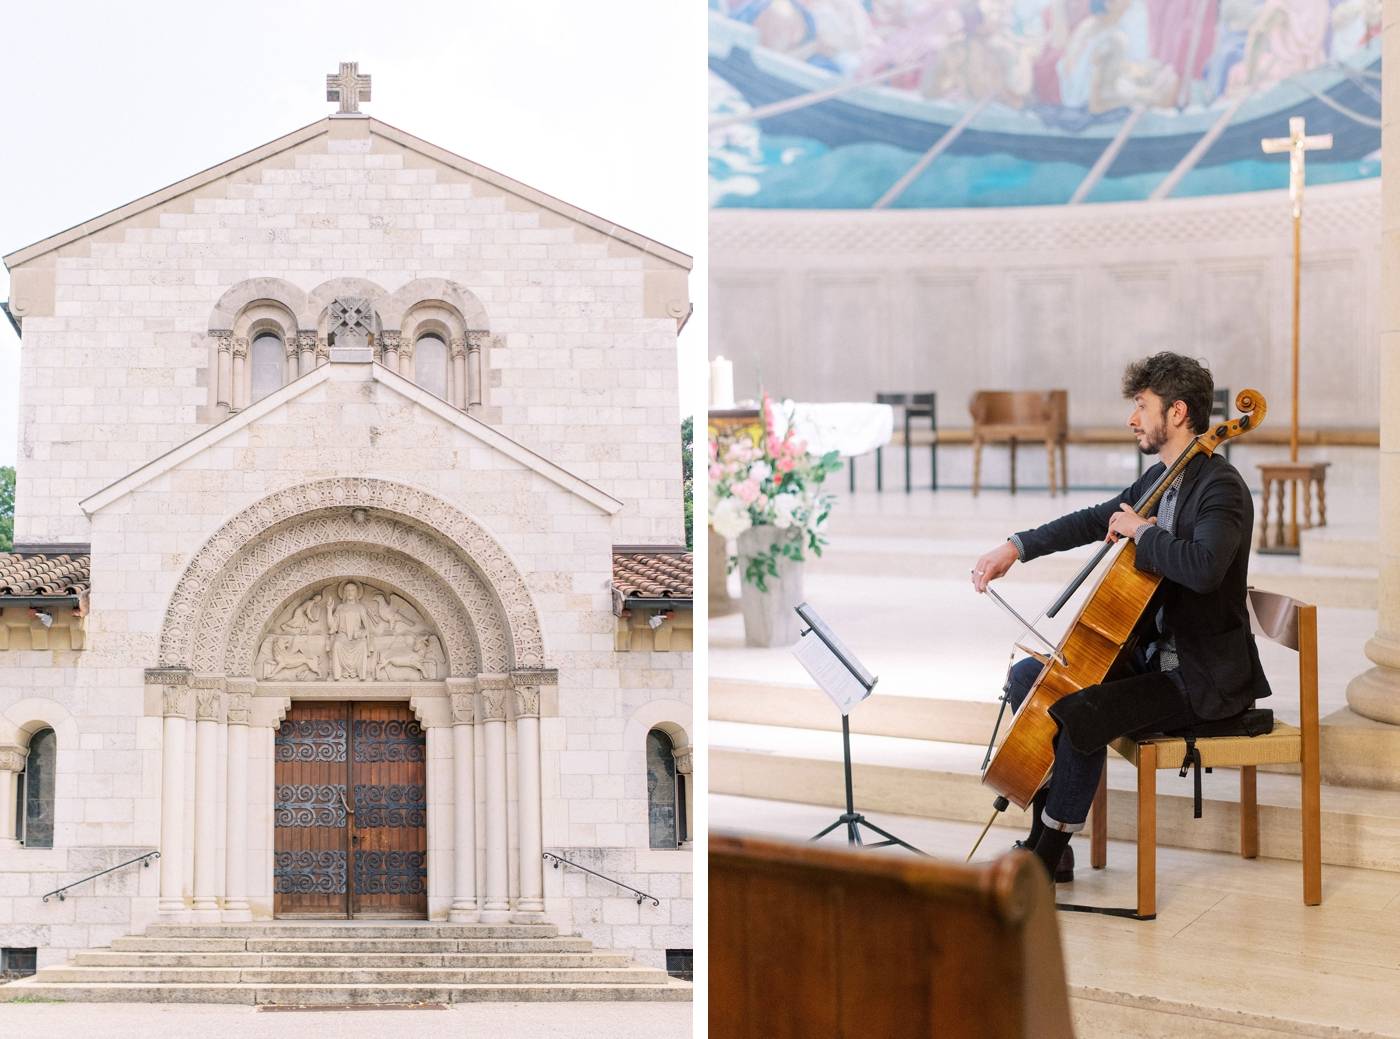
<point x="1099" y="635"/>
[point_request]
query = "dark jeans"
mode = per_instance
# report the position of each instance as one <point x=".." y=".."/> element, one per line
<point x="1075" y="777"/>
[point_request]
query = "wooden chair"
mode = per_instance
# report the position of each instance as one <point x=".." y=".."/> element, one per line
<point x="807" y="941"/>
<point x="1290" y="623"/>
<point x="1014" y="415"/>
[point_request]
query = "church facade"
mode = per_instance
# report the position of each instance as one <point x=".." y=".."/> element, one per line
<point x="349" y="569"/>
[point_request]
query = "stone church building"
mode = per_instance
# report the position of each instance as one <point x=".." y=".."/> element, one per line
<point x="349" y="569"/>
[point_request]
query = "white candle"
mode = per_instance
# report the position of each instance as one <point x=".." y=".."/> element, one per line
<point x="721" y="384"/>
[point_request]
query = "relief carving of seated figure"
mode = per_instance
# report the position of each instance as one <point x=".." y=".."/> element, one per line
<point x="349" y="628"/>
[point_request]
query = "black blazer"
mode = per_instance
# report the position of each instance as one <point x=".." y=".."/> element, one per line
<point x="1204" y="561"/>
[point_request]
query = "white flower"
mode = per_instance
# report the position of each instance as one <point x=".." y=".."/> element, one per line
<point x="730" y="518"/>
<point x="760" y="471"/>
<point x="783" y="507"/>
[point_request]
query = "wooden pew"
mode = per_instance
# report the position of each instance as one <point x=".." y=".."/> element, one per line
<point x="807" y="941"/>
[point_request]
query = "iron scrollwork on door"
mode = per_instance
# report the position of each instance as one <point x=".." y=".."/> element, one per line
<point x="309" y="872"/>
<point x="313" y="740"/>
<point x="392" y="806"/>
<point x="308" y="805"/>
<point x="391" y="872"/>
<point x="389" y="741"/>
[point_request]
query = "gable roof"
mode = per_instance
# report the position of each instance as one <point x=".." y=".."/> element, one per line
<point x="318" y="129"/>
<point x="297" y="387"/>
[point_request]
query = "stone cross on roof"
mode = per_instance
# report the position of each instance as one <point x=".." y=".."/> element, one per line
<point x="348" y="87"/>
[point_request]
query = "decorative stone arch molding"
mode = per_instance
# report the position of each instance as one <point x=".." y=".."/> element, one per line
<point x="435" y="290"/>
<point x="230" y="559"/>
<point x="439" y="603"/>
<point x="237" y="298"/>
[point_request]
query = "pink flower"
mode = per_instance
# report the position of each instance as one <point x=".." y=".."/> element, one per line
<point x="716" y="471"/>
<point x="786" y="465"/>
<point x="746" y="492"/>
<point x="714" y="450"/>
<point x="775" y="446"/>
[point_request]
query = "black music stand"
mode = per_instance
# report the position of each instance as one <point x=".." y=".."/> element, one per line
<point x="842" y="677"/>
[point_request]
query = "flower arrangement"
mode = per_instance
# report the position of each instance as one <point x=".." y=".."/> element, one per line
<point x="770" y="479"/>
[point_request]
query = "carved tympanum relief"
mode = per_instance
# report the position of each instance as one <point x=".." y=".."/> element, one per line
<point x="350" y="631"/>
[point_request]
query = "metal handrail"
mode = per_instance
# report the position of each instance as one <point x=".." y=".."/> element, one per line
<point x="145" y="861"/>
<point x="559" y="860"/>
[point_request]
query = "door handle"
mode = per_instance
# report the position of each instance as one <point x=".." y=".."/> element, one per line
<point x="350" y="812"/>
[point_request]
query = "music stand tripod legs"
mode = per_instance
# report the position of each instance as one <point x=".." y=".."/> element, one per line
<point x="853" y="820"/>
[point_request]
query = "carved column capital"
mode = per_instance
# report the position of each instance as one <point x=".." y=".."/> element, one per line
<point x="390" y="339"/>
<point x="306" y="340"/>
<point x="495" y="690"/>
<point x="240" y="346"/>
<point x="405" y="347"/>
<point x="209" y="705"/>
<point x="526" y="701"/>
<point x="323" y="349"/>
<point x="175" y="702"/>
<point x="458" y="346"/>
<point x="224" y="338"/>
<point x="476" y="339"/>
<point x="12" y="758"/>
<point x="683" y="760"/>
<point x="240" y="709"/>
<point x="463" y="708"/>
<point x="174" y="686"/>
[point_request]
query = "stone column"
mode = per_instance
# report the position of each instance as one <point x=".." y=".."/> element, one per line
<point x="306" y="352"/>
<point x="241" y="382"/>
<point x="223" y="373"/>
<point x="527" y="792"/>
<point x="494" y="691"/>
<point x="240" y="711"/>
<point x="474" y="389"/>
<point x="389" y="349"/>
<point x="290" y="369"/>
<point x="406" y="358"/>
<point x="457" y="378"/>
<point x="11" y="765"/>
<point x="683" y="768"/>
<point x="1375" y="693"/>
<point x="464" y="907"/>
<point x="208" y="714"/>
<point x="323" y="352"/>
<point x="175" y="708"/>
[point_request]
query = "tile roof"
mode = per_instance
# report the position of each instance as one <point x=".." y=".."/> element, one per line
<point x="40" y="574"/>
<point x="653" y="572"/>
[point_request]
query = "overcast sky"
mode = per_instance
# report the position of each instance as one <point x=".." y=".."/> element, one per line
<point x="601" y="104"/>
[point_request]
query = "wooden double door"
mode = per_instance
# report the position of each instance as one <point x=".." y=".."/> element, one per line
<point x="350" y="812"/>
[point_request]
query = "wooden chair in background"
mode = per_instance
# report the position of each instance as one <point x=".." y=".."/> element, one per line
<point x="1009" y="416"/>
<point x="1290" y="623"/>
<point x="808" y="941"/>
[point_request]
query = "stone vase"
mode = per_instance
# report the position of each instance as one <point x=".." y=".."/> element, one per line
<point x="769" y="617"/>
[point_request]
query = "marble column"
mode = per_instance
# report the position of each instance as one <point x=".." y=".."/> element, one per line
<point x="1375" y="693"/>
<point x="306" y="352"/>
<point x="175" y="708"/>
<point x="406" y="359"/>
<point x="457" y="389"/>
<point x="389" y="349"/>
<point x="236" y="843"/>
<point x="223" y="372"/>
<point x="208" y="714"/>
<point x="474" y="388"/>
<point x="527" y="792"/>
<point x="684" y="758"/>
<point x="494" y="692"/>
<point x="11" y="765"/>
<point x="464" y="907"/>
<point x="241" y="384"/>
<point x="187" y="796"/>
<point x="290" y="370"/>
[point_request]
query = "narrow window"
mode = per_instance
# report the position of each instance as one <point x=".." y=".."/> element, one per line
<point x="430" y="364"/>
<point x="269" y="364"/>
<point x="661" y="790"/>
<point x="38" y="781"/>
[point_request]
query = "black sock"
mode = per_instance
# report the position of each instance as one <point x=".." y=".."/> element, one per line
<point x="1050" y="847"/>
<point x="1037" y="806"/>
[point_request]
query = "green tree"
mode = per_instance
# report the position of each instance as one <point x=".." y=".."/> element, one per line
<point x="7" y="507"/>
<point x="687" y="477"/>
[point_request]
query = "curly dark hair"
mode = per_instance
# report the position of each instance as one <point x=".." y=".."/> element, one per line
<point x="1174" y="378"/>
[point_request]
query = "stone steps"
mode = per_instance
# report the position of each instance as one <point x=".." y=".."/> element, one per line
<point x="942" y="780"/>
<point x="333" y="964"/>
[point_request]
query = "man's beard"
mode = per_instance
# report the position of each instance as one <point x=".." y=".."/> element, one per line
<point x="1152" y="444"/>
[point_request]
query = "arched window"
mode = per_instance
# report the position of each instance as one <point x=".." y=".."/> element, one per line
<point x="269" y="364"/>
<point x="37" y="791"/>
<point x="662" y="818"/>
<point x="430" y="364"/>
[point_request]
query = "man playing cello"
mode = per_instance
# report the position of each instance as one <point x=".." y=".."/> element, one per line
<point x="1194" y="657"/>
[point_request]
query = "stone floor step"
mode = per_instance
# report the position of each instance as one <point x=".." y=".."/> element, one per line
<point x="331" y="945"/>
<point x="105" y="958"/>
<point x="393" y="976"/>
<point x="340" y="995"/>
<point x="942" y="781"/>
<point x="352" y="929"/>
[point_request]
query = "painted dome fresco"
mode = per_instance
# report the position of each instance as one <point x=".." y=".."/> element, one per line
<point x="855" y="104"/>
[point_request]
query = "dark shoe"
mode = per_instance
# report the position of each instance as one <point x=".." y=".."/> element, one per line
<point x="1064" y="870"/>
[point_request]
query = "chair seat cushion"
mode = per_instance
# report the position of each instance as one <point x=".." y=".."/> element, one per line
<point x="1282" y="746"/>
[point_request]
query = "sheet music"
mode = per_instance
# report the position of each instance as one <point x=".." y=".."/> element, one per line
<point x="828" y="672"/>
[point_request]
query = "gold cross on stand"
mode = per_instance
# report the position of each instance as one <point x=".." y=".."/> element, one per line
<point x="349" y="88"/>
<point x="1297" y="144"/>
